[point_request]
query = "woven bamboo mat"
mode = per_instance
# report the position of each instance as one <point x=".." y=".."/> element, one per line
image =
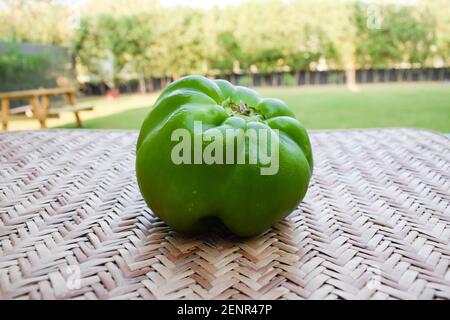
<point x="375" y="224"/>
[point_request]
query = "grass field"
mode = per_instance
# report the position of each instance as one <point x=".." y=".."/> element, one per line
<point x="375" y="106"/>
<point x="419" y="105"/>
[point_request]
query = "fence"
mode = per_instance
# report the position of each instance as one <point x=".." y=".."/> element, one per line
<point x="29" y="66"/>
<point x="298" y="78"/>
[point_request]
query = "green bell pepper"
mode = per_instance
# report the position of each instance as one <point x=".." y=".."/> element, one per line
<point x="189" y="194"/>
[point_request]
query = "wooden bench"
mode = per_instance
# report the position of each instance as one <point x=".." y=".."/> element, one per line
<point x="39" y="105"/>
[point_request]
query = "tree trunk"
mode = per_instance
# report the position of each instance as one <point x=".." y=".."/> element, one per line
<point x="350" y="73"/>
<point x="142" y="86"/>
<point x="149" y="85"/>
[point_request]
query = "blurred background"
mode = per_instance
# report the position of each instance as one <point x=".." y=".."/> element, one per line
<point x="337" y="64"/>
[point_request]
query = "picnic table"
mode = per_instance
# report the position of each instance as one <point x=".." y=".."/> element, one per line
<point x="375" y="224"/>
<point x="39" y="104"/>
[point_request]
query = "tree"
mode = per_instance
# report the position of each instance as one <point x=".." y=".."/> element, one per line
<point x="405" y="35"/>
<point x="140" y="38"/>
<point x="105" y="45"/>
<point x="39" y="21"/>
<point x="438" y="11"/>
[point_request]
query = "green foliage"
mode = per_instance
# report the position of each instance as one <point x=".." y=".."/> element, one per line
<point x="14" y="63"/>
<point x="16" y="68"/>
<point x="405" y="35"/>
<point x="37" y="21"/>
<point x="139" y="38"/>
<point x="244" y="81"/>
<point x="288" y="79"/>
<point x="333" y="77"/>
<point x="110" y="38"/>
<point x="229" y="51"/>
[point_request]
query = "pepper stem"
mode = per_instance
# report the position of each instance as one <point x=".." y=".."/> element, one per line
<point x="240" y="108"/>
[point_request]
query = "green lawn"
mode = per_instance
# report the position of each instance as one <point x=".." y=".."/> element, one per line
<point x="419" y="105"/>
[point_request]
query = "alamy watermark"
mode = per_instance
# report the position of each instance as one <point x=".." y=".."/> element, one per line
<point x="374" y="17"/>
<point x="229" y="146"/>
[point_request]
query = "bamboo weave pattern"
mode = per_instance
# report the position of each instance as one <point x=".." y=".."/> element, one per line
<point x="375" y="224"/>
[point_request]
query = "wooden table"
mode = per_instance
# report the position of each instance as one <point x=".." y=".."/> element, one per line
<point x="39" y="103"/>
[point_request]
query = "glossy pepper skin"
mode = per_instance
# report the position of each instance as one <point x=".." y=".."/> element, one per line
<point x="189" y="196"/>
